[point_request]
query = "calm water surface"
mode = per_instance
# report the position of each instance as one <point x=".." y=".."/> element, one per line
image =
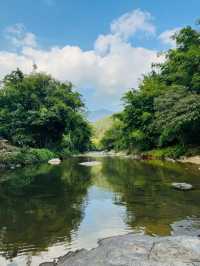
<point x="46" y="211"/>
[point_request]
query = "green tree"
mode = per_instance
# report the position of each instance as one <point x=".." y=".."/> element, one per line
<point x="165" y="109"/>
<point x="38" y="111"/>
<point x="182" y="66"/>
<point x="113" y="138"/>
<point x="177" y="117"/>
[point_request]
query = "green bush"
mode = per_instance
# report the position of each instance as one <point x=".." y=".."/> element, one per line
<point x="25" y="156"/>
<point x="41" y="155"/>
<point x="171" y="152"/>
<point x="9" y="158"/>
<point x="64" y="153"/>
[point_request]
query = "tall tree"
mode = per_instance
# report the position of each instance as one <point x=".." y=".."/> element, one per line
<point x="38" y="111"/>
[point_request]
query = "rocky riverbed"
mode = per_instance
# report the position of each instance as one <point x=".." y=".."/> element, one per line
<point x="137" y="250"/>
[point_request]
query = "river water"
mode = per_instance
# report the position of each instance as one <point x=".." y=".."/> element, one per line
<point x="46" y="211"/>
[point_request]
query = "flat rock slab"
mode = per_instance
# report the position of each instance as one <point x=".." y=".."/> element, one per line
<point x="137" y="250"/>
<point x="92" y="163"/>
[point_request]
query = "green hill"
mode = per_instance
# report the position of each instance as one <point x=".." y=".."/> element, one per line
<point x="100" y="127"/>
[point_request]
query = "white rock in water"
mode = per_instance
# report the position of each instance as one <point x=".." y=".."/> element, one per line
<point x="54" y="161"/>
<point x="182" y="186"/>
<point x="93" y="163"/>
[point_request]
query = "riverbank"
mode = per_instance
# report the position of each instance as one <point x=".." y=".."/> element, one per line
<point x="136" y="250"/>
<point x="192" y="159"/>
<point x="142" y="156"/>
<point x="12" y="157"/>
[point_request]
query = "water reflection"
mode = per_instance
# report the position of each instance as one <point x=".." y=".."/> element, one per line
<point x="40" y="206"/>
<point x="144" y="188"/>
<point x="53" y="209"/>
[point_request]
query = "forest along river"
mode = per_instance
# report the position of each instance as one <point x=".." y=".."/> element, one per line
<point x="46" y="211"/>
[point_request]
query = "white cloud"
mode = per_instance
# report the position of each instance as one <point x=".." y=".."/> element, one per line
<point x="112" y="67"/>
<point x="166" y="37"/>
<point x="129" y="23"/>
<point x="18" y="36"/>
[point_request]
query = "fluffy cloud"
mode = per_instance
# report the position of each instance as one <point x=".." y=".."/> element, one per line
<point x="166" y="37"/>
<point x="113" y="66"/>
<point x="18" y="36"/>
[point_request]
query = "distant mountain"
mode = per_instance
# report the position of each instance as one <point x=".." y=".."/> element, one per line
<point x="93" y="116"/>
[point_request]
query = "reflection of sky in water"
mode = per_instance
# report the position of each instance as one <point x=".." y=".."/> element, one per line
<point x="102" y="218"/>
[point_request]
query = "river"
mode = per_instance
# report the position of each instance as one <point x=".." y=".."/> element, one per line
<point x="46" y="211"/>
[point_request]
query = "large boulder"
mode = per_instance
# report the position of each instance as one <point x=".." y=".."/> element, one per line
<point x="137" y="250"/>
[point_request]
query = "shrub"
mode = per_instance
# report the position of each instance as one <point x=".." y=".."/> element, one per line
<point x="25" y="157"/>
<point x="171" y="152"/>
<point x="41" y="155"/>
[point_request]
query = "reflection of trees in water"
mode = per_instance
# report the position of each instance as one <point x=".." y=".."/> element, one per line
<point x="144" y="188"/>
<point x="40" y="206"/>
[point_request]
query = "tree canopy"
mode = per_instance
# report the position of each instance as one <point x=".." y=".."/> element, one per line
<point x="165" y="109"/>
<point x="39" y="111"/>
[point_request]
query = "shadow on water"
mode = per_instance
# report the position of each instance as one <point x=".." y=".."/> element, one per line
<point x="42" y="206"/>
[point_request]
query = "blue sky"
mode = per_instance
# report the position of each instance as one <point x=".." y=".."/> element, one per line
<point x="89" y="41"/>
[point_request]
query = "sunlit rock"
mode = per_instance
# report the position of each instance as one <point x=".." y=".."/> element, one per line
<point x="182" y="186"/>
<point x="55" y="161"/>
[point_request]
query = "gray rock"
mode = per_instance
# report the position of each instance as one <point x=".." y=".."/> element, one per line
<point x="182" y="186"/>
<point x="138" y="250"/>
<point x="189" y="227"/>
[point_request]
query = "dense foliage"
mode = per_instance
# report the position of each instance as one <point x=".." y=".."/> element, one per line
<point x="40" y="112"/>
<point x="165" y="110"/>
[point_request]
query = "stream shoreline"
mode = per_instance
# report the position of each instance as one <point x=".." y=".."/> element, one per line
<point x="183" y="159"/>
<point x="13" y="157"/>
